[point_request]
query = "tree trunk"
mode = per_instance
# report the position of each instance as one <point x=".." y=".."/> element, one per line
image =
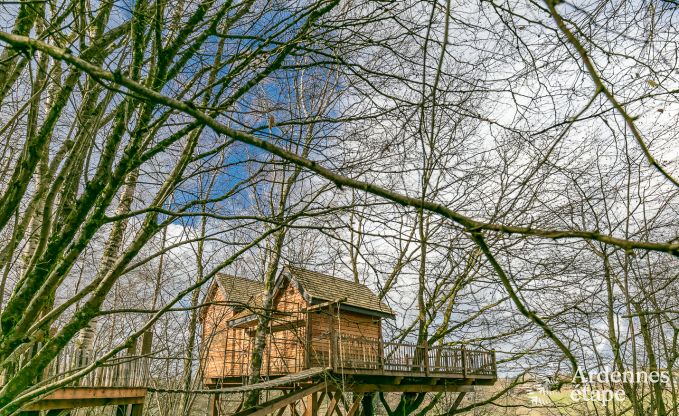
<point x="86" y="337"/>
<point x="262" y="330"/>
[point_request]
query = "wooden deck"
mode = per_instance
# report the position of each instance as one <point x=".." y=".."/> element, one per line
<point x="74" y="397"/>
<point x="354" y="355"/>
<point x="120" y="381"/>
<point x="363" y="365"/>
<point x="376" y="362"/>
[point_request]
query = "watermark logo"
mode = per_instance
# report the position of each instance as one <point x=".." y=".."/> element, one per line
<point x="607" y="386"/>
<point x="541" y="397"/>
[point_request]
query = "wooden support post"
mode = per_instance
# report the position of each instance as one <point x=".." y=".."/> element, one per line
<point x="367" y="404"/>
<point x="339" y="356"/>
<point x="121" y="410"/>
<point x="426" y="357"/>
<point x="279" y="402"/>
<point x="334" y="399"/>
<point x="137" y="409"/>
<point x="332" y="350"/>
<point x="380" y="346"/>
<point x="457" y="402"/>
<point x="307" y="342"/>
<point x="464" y="362"/>
<point x="344" y="407"/>
<point x="214" y="405"/>
<point x="311" y="405"/>
<point x="268" y="347"/>
<point x="355" y="405"/>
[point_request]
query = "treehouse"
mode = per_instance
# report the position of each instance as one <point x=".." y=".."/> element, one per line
<point x="320" y="325"/>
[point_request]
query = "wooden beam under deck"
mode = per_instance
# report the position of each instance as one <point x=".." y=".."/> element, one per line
<point x="381" y="377"/>
<point x="419" y="374"/>
<point x="72" y="397"/>
<point x="281" y="402"/>
<point x="409" y="388"/>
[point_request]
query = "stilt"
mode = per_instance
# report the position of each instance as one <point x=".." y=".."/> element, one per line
<point x="214" y="405"/>
<point x="286" y="400"/>
<point x="367" y="402"/>
<point x="137" y="409"/>
<point x="121" y="410"/>
<point x="311" y="405"/>
<point x="457" y="402"/>
<point x="332" y="404"/>
<point x="354" y="407"/>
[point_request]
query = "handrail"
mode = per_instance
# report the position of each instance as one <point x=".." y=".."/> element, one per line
<point x="339" y="352"/>
<point x="123" y="370"/>
<point x="347" y="352"/>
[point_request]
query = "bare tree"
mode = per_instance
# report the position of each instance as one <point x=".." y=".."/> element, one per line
<point x="505" y="158"/>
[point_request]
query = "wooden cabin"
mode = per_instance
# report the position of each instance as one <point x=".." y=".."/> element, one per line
<point x="224" y="352"/>
<point x="312" y="313"/>
<point x="321" y="322"/>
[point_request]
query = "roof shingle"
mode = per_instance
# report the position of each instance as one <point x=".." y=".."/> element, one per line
<point x="239" y="289"/>
<point x="316" y="288"/>
<point x="324" y="287"/>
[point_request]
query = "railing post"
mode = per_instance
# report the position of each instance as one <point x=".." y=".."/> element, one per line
<point x="333" y="340"/>
<point x="307" y="342"/>
<point x="269" y="347"/>
<point x="494" y="366"/>
<point x="464" y="362"/>
<point x="146" y="347"/>
<point x="332" y="350"/>
<point x="127" y="372"/>
<point x="426" y="357"/>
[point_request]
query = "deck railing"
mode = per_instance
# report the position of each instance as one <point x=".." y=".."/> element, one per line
<point x="122" y="370"/>
<point x="341" y="353"/>
<point x="344" y="353"/>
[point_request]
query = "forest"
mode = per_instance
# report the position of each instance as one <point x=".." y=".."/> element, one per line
<point x="501" y="175"/>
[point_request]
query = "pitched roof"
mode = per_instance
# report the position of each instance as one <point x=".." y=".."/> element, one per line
<point x="315" y="288"/>
<point x="239" y="289"/>
<point x="319" y="287"/>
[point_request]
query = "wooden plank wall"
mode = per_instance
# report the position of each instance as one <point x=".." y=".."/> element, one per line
<point x="225" y="349"/>
<point x="227" y="352"/>
<point x="349" y="324"/>
<point x="285" y="346"/>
